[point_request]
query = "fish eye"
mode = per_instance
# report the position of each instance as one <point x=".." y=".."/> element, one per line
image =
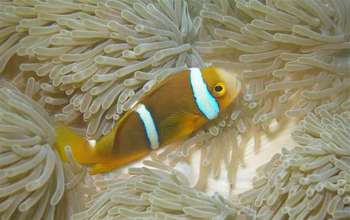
<point x="219" y="90"/>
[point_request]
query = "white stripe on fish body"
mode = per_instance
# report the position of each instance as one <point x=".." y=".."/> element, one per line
<point x="206" y="103"/>
<point x="149" y="124"/>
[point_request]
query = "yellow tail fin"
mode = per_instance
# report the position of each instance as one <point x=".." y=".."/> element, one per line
<point x="99" y="156"/>
<point x="82" y="151"/>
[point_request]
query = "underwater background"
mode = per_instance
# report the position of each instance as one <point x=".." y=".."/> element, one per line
<point x="281" y="152"/>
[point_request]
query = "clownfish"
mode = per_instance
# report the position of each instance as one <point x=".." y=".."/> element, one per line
<point x="176" y="108"/>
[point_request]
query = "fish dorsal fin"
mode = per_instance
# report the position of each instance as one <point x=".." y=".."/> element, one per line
<point x="105" y="144"/>
<point x="160" y="84"/>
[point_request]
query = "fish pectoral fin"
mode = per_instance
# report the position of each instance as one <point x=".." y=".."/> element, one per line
<point x="179" y="125"/>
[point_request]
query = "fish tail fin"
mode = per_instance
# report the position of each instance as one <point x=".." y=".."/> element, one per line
<point x="82" y="151"/>
<point x="100" y="156"/>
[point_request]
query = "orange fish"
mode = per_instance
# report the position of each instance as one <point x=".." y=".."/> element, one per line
<point x="170" y="112"/>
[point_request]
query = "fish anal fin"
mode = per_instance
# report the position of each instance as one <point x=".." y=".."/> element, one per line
<point x="116" y="162"/>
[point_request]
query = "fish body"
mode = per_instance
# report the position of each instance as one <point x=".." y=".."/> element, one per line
<point x="170" y="112"/>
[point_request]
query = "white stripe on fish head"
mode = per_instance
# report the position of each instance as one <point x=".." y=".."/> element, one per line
<point x="205" y="101"/>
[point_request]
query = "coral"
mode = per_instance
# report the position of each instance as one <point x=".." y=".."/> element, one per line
<point x="310" y="181"/>
<point x="93" y="59"/>
<point x="155" y="191"/>
<point x="34" y="182"/>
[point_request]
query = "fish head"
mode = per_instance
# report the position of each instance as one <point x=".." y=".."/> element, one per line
<point x="222" y="84"/>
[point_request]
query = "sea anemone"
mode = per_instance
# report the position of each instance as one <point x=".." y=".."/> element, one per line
<point x="310" y="181"/>
<point x="293" y="54"/>
<point x="292" y="57"/>
<point x="155" y="191"/>
<point x="93" y="59"/>
<point x="87" y="61"/>
<point x="34" y="182"/>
